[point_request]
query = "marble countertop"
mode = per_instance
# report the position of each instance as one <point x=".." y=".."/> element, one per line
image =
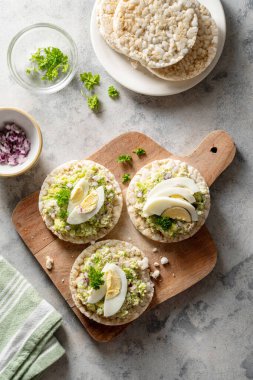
<point x="205" y="332"/>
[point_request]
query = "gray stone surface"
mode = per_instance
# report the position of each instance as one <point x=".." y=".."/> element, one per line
<point x="205" y="333"/>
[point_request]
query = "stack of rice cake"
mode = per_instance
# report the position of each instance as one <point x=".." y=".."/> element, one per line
<point x="174" y="39"/>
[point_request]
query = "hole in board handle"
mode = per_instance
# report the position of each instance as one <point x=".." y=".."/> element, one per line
<point x="214" y="149"/>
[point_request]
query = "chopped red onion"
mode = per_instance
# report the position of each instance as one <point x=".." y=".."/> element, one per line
<point x="14" y="145"/>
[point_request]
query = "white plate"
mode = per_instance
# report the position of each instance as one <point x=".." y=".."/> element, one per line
<point x="141" y="80"/>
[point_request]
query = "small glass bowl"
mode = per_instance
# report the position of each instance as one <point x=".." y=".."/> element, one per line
<point x="26" y="42"/>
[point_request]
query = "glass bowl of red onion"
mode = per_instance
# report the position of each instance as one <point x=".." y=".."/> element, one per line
<point x="20" y="142"/>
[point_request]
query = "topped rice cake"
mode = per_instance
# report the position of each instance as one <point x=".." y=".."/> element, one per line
<point x="110" y="282"/>
<point x="80" y="201"/>
<point x="168" y="200"/>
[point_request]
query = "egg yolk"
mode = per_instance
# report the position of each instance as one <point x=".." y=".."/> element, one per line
<point x="77" y="195"/>
<point x="90" y="202"/>
<point x="113" y="284"/>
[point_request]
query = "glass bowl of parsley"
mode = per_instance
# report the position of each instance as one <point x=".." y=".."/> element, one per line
<point x="42" y="58"/>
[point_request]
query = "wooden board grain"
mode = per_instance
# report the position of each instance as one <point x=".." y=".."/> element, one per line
<point x="189" y="261"/>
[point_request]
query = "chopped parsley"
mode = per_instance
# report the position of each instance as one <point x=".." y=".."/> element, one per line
<point x="126" y="178"/>
<point x="124" y="158"/>
<point x="163" y="222"/>
<point x="63" y="196"/>
<point x="93" y="102"/>
<point x="199" y="204"/>
<point x="113" y="92"/>
<point x="95" y="278"/>
<point x="129" y="274"/>
<point x="49" y="63"/>
<point x="199" y="197"/>
<point x="63" y="214"/>
<point x="89" y="80"/>
<point x="139" y="151"/>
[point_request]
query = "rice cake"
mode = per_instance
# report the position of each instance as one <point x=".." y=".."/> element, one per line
<point x="145" y="180"/>
<point x="202" y="53"/>
<point x="105" y="14"/>
<point x="55" y="194"/>
<point x="126" y="256"/>
<point x="157" y="33"/>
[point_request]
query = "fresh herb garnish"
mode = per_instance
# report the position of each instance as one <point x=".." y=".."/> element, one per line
<point x="93" y="102"/>
<point x="163" y="222"/>
<point x="129" y="274"/>
<point x="63" y="214"/>
<point x="126" y="178"/>
<point x="63" y="196"/>
<point x="113" y="92"/>
<point x="95" y="278"/>
<point x="199" y="204"/>
<point x="139" y="151"/>
<point x="124" y="158"/>
<point x="96" y="259"/>
<point x="89" y="80"/>
<point x="48" y="62"/>
<point x="199" y="197"/>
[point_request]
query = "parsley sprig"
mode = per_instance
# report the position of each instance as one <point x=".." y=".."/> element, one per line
<point x="62" y="196"/>
<point x="93" y="102"/>
<point x="113" y="92"/>
<point x="89" y="80"/>
<point x="126" y="178"/>
<point x="163" y="222"/>
<point x="49" y="63"/>
<point x="124" y="158"/>
<point x="95" y="278"/>
<point x="139" y="151"/>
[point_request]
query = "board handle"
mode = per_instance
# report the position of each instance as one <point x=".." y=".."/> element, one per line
<point x="213" y="155"/>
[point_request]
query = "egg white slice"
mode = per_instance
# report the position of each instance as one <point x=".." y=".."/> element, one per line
<point x="83" y="185"/>
<point x="97" y="294"/>
<point x="77" y="217"/>
<point x="172" y="182"/>
<point x="157" y="205"/>
<point x="170" y="191"/>
<point x="113" y="305"/>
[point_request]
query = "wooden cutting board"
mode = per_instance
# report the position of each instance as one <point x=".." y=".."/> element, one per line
<point x="189" y="261"/>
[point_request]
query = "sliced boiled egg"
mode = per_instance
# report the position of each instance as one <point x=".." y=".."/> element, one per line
<point x="89" y="207"/>
<point x="175" y="192"/>
<point x="90" y="202"/>
<point x="116" y="289"/>
<point x="78" y="193"/>
<point x="157" y="205"/>
<point x="178" y="213"/>
<point x="175" y="182"/>
<point x="97" y="294"/>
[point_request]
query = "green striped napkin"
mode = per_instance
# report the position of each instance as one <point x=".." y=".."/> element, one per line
<point x="27" y="325"/>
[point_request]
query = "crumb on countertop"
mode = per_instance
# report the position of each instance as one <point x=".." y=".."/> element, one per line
<point x="155" y="274"/>
<point x="156" y="264"/>
<point x="164" y="261"/>
<point x="49" y="263"/>
<point x="155" y="250"/>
